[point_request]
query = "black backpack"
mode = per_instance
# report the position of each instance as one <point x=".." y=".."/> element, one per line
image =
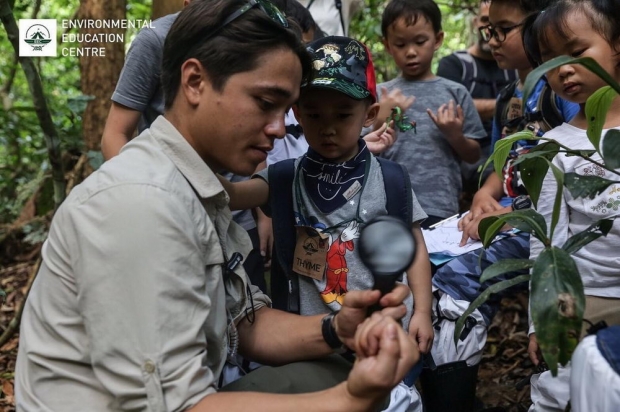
<point x="285" y="282"/>
<point x="546" y="112"/>
<point x="469" y="74"/>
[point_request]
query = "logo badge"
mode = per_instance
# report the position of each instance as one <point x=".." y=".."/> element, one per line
<point x="37" y="38"/>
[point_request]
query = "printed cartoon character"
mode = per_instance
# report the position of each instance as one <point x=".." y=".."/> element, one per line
<point x="337" y="268"/>
<point x="331" y="56"/>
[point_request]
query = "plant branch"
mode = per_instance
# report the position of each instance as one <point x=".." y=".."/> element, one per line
<point x="43" y="114"/>
<point x="576" y="153"/>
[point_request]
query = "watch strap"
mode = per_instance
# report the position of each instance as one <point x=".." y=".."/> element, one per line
<point x="329" y="331"/>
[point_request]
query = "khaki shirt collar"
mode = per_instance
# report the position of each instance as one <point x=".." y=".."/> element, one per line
<point x="188" y="162"/>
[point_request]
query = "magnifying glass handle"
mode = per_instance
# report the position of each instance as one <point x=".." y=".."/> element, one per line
<point x="385" y="284"/>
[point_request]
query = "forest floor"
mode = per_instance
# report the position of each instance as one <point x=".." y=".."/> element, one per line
<point x="504" y="365"/>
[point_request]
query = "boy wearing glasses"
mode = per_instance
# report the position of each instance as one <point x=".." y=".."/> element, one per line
<point x="456" y="284"/>
<point x="412" y="34"/>
<point x="140" y="297"/>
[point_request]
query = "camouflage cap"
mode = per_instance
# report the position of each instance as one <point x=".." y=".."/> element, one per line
<point x="343" y="64"/>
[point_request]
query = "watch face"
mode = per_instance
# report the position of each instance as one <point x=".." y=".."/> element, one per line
<point x="521" y="203"/>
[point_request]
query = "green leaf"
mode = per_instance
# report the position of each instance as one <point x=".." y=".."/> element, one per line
<point x="505" y="266"/>
<point x="611" y="149"/>
<point x="557" y="302"/>
<point x="597" y="107"/>
<point x="488" y="228"/>
<point x="533" y="172"/>
<point x="596" y="230"/>
<point x="501" y="151"/>
<point x="589" y="63"/>
<point x="586" y="186"/>
<point x="559" y="194"/>
<point x="483" y="297"/>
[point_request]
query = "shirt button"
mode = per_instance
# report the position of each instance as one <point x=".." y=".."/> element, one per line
<point x="149" y="367"/>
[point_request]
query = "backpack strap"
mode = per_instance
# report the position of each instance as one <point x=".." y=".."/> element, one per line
<point x="284" y="282"/>
<point x="398" y="194"/>
<point x="551" y="115"/>
<point x="339" y="7"/>
<point x="501" y="106"/>
<point x="470" y="69"/>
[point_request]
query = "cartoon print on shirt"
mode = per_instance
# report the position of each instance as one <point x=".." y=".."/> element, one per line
<point x="337" y="270"/>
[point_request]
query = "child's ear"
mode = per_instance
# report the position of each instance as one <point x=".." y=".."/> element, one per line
<point x="438" y="40"/>
<point x="371" y="114"/>
<point x="295" y="108"/>
<point x="386" y="44"/>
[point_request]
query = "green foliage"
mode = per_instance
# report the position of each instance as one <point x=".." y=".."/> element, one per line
<point x="557" y="297"/>
<point x="23" y="155"/>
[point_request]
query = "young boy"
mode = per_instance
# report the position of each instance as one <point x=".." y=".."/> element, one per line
<point x="338" y="184"/>
<point x="411" y="34"/>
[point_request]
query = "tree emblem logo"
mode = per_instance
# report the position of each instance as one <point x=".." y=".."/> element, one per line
<point x="38" y="36"/>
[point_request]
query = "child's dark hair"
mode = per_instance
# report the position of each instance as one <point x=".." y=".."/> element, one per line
<point x="603" y="15"/>
<point x="224" y="51"/>
<point x="411" y="11"/>
<point x="526" y="6"/>
<point x="296" y="11"/>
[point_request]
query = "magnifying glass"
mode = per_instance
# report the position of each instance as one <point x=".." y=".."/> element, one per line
<point x="387" y="248"/>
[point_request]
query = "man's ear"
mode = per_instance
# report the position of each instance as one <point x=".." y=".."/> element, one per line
<point x="186" y="2"/>
<point x="193" y="81"/>
<point x="371" y="114"/>
<point x="438" y="40"/>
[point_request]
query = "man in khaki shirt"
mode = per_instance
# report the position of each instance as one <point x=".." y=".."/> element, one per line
<point x="137" y="304"/>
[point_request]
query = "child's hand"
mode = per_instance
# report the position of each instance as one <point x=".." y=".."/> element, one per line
<point x="448" y="119"/>
<point x="421" y="329"/>
<point x="381" y="139"/>
<point x="394" y="98"/>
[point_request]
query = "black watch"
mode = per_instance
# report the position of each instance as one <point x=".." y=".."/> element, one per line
<point x="329" y="331"/>
<point x="521" y="202"/>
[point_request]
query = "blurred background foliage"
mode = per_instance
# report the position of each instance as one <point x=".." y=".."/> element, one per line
<point x="24" y="166"/>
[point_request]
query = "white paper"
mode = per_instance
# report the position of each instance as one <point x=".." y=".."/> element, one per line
<point x="446" y="238"/>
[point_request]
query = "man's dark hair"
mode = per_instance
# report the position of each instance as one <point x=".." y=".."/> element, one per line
<point x="234" y="49"/>
<point x="411" y="11"/>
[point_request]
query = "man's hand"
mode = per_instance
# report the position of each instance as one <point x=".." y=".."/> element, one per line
<point x="381" y="139"/>
<point x="448" y="119"/>
<point x="377" y="370"/>
<point x="421" y="329"/>
<point x="355" y="310"/>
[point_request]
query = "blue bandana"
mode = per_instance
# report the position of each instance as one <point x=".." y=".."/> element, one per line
<point x="326" y="182"/>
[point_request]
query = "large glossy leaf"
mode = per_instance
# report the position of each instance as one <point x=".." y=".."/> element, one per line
<point x="611" y="149"/>
<point x="502" y="150"/>
<point x="533" y="171"/>
<point x="528" y="221"/>
<point x="597" y="107"/>
<point x="505" y="266"/>
<point x="596" y="230"/>
<point x="588" y="62"/>
<point x="483" y="297"/>
<point x="586" y="186"/>
<point x="557" y="303"/>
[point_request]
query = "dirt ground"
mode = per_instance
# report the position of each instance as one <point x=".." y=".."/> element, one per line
<point x="503" y="371"/>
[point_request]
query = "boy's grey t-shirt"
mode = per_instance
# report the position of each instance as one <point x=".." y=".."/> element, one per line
<point x="344" y="268"/>
<point x="139" y="86"/>
<point x="432" y="164"/>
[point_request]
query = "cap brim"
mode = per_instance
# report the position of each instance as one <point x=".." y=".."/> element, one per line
<point x="352" y="90"/>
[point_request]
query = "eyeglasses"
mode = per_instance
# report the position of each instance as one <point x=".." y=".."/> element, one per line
<point x="499" y="33"/>
<point x="266" y="6"/>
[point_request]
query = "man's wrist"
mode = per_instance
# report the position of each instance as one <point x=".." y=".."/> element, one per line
<point x="328" y="329"/>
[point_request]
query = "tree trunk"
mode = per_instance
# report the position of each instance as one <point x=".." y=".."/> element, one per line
<point x="100" y="74"/>
<point x="164" y="7"/>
